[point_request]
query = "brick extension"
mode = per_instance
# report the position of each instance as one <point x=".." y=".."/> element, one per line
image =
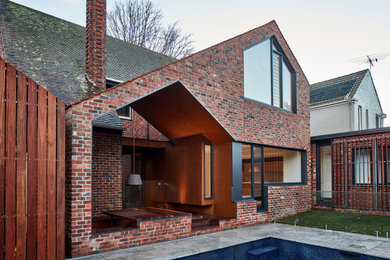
<point x="215" y="77"/>
<point x="107" y="171"/>
<point x="361" y="198"/>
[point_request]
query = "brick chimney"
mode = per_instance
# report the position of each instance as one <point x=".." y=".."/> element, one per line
<point x="96" y="44"/>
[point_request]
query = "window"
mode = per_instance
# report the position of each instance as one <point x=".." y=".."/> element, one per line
<point x="362" y="166"/>
<point x="207" y="172"/>
<point x="125" y="112"/>
<point x="282" y="166"/>
<point x="378" y="121"/>
<point x="268" y="75"/>
<point x="246" y="171"/>
<point x="112" y="82"/>
<point x="252" y="180"/>
<point x="367" y="121"/>
<point x="360" y="123"/>
<point x="273" y="166"/>
<point x="383" y="160"/>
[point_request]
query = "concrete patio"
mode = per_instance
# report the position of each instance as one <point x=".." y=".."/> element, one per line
<point x="369" y="245"/>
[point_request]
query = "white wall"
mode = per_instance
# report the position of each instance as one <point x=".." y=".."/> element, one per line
<point x="366" y="97"/>
<point x="343" y="116"/>
<point x="292" y="166"/>
<point x="330" y="119"/>
<point x="326" y="171"/>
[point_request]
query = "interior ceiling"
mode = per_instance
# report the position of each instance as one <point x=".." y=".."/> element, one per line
<point x="176" y="113"/>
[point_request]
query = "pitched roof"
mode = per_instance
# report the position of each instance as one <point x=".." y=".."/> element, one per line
<point x="52" y="52"/>
<point x="336" y="89"/>
<point x="109" y="120"/>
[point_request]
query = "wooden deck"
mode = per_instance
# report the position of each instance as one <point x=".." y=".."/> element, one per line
<point x="130" y="218"/>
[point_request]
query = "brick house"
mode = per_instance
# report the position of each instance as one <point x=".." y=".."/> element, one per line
<point x="220" y="139"/>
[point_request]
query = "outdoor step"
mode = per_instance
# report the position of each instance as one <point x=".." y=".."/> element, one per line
<point x="202" y="227"/>
<point x="263" y="253"/>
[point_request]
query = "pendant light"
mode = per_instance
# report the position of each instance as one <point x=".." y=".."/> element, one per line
<point x="133" y="179"/>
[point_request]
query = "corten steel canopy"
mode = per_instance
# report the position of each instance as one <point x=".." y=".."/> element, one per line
<point x="176" y="113"/>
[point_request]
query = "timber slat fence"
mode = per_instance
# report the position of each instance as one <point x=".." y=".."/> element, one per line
<point x="32" y="169"/>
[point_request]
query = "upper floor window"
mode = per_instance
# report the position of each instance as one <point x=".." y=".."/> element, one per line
<point x="268" y="75"/>
<point x="125" y="112"/>
<point x="378" y="121"/>
<point x="360" y="118"/>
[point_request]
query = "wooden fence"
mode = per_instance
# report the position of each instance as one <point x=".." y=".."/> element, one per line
<point x="32" y="169"/>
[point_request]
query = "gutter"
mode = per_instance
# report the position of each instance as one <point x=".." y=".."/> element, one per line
<point x="334" y="103"/>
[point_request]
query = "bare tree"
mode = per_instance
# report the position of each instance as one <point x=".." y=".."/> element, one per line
<point x="140" y="22"/>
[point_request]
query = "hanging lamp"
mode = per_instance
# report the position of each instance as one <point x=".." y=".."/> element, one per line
<point x="133" y="179"/>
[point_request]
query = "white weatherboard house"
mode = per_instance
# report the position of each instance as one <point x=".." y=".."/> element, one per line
<point x="346" y="103"/>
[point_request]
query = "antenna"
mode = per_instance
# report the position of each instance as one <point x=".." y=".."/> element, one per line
<point x="370" y="59"/>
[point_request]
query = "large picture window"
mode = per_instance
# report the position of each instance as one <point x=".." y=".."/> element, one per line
<point x="268" y="75"/>
<point x="282" y="166"/>
<point x="263" y="165"/>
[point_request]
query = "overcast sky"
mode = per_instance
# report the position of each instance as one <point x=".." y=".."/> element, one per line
<point x="324" y="35"/>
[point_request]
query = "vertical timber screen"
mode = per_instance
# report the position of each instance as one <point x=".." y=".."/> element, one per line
<point x="361" y="173"/>
<point x="32" y="169"/>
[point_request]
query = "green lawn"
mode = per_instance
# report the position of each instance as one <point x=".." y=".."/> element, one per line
<point x="348" y="222"/>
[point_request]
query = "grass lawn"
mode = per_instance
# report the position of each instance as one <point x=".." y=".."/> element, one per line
<point x="342" y="221"/>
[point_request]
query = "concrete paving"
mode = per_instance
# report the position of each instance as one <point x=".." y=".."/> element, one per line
<point x="364" y="244"/>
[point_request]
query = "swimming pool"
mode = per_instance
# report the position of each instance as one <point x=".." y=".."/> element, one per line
<point x="274" y="248"/>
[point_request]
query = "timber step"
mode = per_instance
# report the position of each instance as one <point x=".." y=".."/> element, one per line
<point x="264" y="253"/>
<point x="203" y="221"/>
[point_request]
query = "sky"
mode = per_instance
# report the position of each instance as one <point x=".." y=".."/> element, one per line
<point x="324" y="35"/>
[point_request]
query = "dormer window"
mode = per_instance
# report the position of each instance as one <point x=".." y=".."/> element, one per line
<point x="125" y="112"/>
<point x="268" y="75"/>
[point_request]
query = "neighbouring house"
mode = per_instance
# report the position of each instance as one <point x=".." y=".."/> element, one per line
<point x="217" y="140"/>
<point x="349" y="145"/>
<point x="346" y="103"/>
<point x="351" y="170"/>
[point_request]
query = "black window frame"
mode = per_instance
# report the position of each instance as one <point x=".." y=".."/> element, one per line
<point x="253" y="197"/>
<point x="264" y="190"/>
<point x="211" y="172"/>
<point x="284" y="59"/>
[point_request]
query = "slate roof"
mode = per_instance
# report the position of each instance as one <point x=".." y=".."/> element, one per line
<point x="336" y="89"/>
<point x="109" y="120"/>
<point x="51" y="51"/>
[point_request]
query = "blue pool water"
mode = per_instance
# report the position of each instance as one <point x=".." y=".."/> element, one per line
<point x="277" y="249"/>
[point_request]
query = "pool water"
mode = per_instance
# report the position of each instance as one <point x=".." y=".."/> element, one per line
<point x="278" y="249"/>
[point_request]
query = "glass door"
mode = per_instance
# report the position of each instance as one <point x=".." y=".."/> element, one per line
<point x="324" y="172"/>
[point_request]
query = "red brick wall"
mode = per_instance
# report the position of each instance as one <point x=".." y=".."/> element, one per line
<point x="215" y="77"/>
<point x="141" y="129"/>
<point x="288" y="200"/>
<point x="106" y="171"/>
<point x="148" y="232"/>
<point x="96" y="43"/>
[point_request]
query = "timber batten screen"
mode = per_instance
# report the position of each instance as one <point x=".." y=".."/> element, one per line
<point x="32" y="169"/>
<point x="360" y="173"/>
